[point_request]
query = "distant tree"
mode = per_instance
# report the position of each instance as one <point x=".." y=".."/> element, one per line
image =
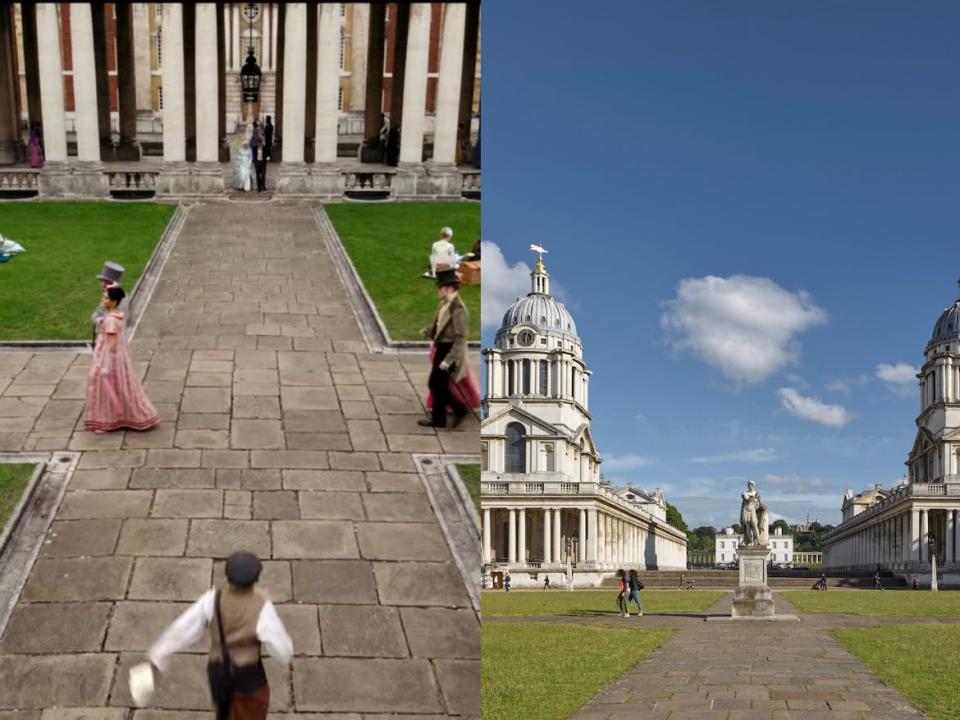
<point x="675" y="518"/>
<point x="782" y="524"/>
<point x="737" y="529"/>
<point x="702" y="538"/>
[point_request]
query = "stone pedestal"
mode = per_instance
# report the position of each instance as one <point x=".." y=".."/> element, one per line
<point x="307" y="179"/>
<point x="180" y="179"/>
<point x="408" y="181"/>
<point x="753" y="597"/>
<point x="442" y="180"/>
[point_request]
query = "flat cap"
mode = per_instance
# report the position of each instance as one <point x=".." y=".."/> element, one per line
<point x="243" y="569"/>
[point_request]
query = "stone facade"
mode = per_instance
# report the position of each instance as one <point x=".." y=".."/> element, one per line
<point x="545" y="505"/>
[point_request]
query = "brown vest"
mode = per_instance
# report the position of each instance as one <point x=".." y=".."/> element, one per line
<point x="240" y="610"/>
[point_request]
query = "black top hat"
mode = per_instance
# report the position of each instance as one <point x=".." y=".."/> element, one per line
<point x="447" y="277"/>
<point x="243" y="569"/>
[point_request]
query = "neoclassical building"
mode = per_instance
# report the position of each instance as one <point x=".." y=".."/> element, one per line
<point x="892" y="528"/>
<point x="543" y="500"/>
<point x="147" y="96"/>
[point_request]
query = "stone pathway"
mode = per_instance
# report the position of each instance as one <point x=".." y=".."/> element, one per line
<point x="281" y="434"/>
<point x="757" y="671"/>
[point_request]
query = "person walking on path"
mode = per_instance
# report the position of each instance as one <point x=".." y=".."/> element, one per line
<point x="268" y="137"/>
<point x="546" y="582"/>
<point x="822" y="582"/>
<point x="240" y="620"/>
<point x="115" y="397"/>
<point x="506" y="582"/>
<point x="449" y="334"/>
<point x="915" y="583"/>
<point x="635" y="586"/>
<point x="622" y="593"/>
<point x="876" y="580"/>
<point x="260" y="165"/>
<point x="35" y="149"/>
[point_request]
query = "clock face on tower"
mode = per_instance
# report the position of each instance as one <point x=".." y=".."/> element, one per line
<point x="525" y="338"/>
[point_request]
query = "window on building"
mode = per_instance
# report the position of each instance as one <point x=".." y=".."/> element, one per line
<point x="484" y="457"/>
<point x="573" y="382"/>
<point x="516" y="460"/>
<point x="343" y="46"/>
<point x="544" y="377"/>
<point x="511" y="379"/>
<point x="526" y="377"/>
<point x="551" y="464"/>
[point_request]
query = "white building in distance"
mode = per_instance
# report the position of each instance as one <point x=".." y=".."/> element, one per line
<point x="897" y="529"/>
<point x="728" y="544"/>
<point x="543" y="500"/>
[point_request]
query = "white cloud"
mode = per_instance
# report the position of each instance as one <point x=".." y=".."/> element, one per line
<point x="743" y="325"/>
<point x="615" y="463"/>
<point x="901" y="378"/>
<point x="754" y="455"/>
<point x="810" y="408"/>
<point x="502" y="284"/>
<point x="792" y="484"/>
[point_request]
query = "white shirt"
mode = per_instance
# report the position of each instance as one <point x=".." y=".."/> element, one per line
<point x="443" y="247"/>
<point x="191" y="626"/>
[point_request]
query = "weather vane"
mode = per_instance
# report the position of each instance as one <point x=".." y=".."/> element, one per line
<point x="541" y="252"/>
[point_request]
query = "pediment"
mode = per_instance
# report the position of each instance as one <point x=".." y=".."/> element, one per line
<point x="922" y="443"/>
<point x="528" y="419"/>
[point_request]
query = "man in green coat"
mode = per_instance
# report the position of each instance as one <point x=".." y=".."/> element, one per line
<point x="449" y="334"/>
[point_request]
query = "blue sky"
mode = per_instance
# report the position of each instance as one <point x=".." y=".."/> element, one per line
<point x="751" y="210"/>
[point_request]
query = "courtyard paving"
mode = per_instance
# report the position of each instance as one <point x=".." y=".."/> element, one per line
<point x="746" y="671"/>
<point x="281" y="434"/>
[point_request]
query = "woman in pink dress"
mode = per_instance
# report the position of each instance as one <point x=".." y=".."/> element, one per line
<point x="115" y="397"/>
<point x="35" y="149"/>
<point x="465" y="390"/>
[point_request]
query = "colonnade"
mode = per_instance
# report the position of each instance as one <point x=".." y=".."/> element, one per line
<point x="896" y="541"/>
<point x="603" y="539"/>
<point x="193" y="77"/>
<point x="562" y="376"/>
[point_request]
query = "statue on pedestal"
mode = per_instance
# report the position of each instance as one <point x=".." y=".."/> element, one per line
<point x="753" y="517"/>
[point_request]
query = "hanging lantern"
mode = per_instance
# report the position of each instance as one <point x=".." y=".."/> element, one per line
<point x="250" y="79"/>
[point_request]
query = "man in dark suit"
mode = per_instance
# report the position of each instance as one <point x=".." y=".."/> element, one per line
<point x="449" y="334"/>
<point x="268" y="137"/>
<point x="260" y="164"/>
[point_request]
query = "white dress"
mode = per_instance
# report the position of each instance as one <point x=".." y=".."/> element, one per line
<point x="243" y="169"/>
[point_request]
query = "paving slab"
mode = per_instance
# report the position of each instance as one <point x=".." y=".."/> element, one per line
<point x="80" y="538"/>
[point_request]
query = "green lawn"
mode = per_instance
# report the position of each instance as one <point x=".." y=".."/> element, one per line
<point x="13" y="480"/>
<point x="874" y="602"/>
<point x="594" y="602"/>
<point x="540" y="671"/>
<point x="470" y="474"/>
<point x="921" y="661"/>
<point x="390" y="248"/>
<point x="50" y="291"/>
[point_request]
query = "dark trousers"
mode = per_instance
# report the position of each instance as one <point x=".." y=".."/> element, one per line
<point x="261" y="166"/>
<point x="439" y="384"/>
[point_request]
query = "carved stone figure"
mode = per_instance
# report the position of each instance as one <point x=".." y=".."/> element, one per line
<point x="753" y="517"/>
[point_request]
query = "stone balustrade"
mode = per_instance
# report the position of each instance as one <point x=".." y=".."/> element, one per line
<point x="132" y="182"/>
<point x="19" y="182"/>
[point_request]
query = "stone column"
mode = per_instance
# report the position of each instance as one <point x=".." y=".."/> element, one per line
<point x="372" y="148"/>
<point x="292" y="175"/>
<point x="591" y="535"/>
<point x="511" y="536"/>
<point x="487" y="550"/>
<point x="915" y="535"/>
<point x="328" y="84"/>
<point x="174" y="127"/>
<point x="141" y="54"/>
<point x="547" y="555"/>
<point x="359" y="27"/>
<point x="190" y="80"/>
<point x="582" y="546"/>
<point x="522" y="529"/>
<point x="223" y="149"/>
<point x="31" y="63"/>
<point x="9" y="90"/>
<point x="557" y="539"/>
<point x="448" y="85"/>
<point x="235" y="39"/>
<point x="208" y="173"/>
<point x="415" y="86"/>
<point x="127" y="149"/>
<point x="84" y="83"/>
<point x="51" y="83"/>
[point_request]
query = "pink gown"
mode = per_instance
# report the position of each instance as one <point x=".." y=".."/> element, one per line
<point x="466" y="390"/>
<point x="116" y="399"/>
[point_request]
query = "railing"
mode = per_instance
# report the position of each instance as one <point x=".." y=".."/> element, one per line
<point x="140" y="182"/>
<point x="533" y="488"/>
<point x="19" y="181"/>
<point x="367" y="182"/>
<point x="470" y="184"/>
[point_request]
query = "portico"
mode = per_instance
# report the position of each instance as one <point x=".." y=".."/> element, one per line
<point x="197" y="49"/>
